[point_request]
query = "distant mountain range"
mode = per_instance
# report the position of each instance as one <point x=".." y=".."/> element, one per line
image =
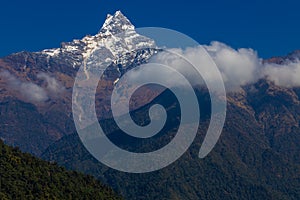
<point x="257" y="156"/>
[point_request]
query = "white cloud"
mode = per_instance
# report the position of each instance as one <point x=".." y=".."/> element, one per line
<point x="29" y="91"/>
<point x="287" y="75"/>
<point x="238" y="67"/>
<point x="51" y="83"/>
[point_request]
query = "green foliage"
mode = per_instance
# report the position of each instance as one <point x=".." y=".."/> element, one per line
<point x="23" y="176"/>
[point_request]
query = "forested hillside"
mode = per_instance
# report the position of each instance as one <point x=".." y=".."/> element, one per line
<point x="23" y="176"/>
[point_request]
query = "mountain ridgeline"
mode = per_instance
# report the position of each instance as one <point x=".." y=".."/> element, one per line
<point x="257" y="156"/>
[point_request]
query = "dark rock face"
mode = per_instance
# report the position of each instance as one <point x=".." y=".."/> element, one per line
<point x="291" y="57"/>
<point x="257" y="155"/>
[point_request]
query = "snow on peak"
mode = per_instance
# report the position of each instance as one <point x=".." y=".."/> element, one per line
<point x="115" y="24"/>
<point x="117" y="36"/>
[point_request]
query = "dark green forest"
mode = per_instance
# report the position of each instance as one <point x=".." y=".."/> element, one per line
<point x="23" y="176"/>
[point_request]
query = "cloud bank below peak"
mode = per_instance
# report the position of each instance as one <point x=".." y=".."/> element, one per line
<point x="30" y="91"/>
<point x="238" y="67"/>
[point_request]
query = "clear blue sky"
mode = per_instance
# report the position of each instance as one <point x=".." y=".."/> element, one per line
<point x="270" y="27"/>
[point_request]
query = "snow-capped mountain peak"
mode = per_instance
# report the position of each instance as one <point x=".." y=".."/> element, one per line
<point x="115" y="24"/>
<point x="117" y="35"/>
